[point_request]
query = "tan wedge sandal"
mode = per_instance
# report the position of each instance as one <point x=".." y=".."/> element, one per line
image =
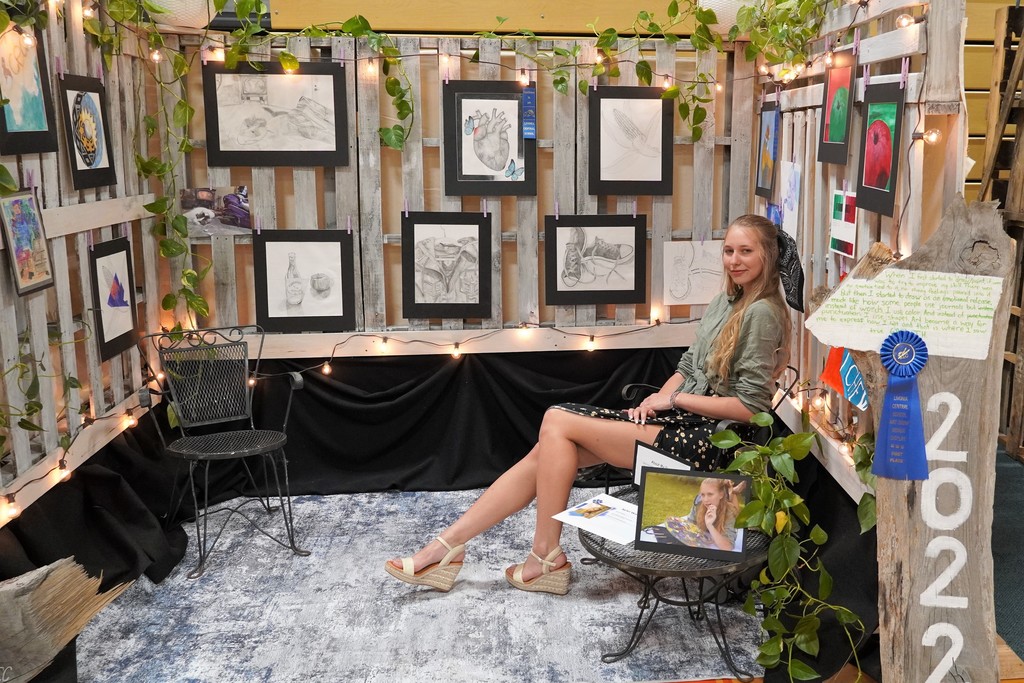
<point x="440" y="575"/>
<point x="549" y="581"/>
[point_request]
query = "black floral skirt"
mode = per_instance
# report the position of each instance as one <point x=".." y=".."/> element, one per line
<point x="684" y="435"/>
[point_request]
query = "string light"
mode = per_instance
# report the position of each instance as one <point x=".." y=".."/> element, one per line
<point x="905" y="20"/>
<point x="156" y="56"/>
<point x="524" y="330"/>
<point x="818" y="401"/>
<point x="160" y="376"/>
<point x="326" y="367"/>
<point x="63" y="473"/>
<point x="829" y="58"/>
<point x="523" y="78"/>
<point x="930" y="136"/>
<point x="371" y="67"/>
<point x="718" y="87"/>
<point x="252" y="381"/>
<point x="26" y="36"/>
<point x="384" y="345"/>
<point x="88" y="12"/>
<point x="12" y="510"/>
<point x="591" y="344"/>
<point x="129" y="420"/>
<point x="455" y="351"/>
<point x="763" y="69"/>
<point x="666" y="83"/>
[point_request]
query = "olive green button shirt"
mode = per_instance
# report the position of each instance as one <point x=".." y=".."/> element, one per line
<point x="753" y="364"/>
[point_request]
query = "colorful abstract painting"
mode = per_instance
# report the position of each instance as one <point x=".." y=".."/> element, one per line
<point x="26" y="242"/>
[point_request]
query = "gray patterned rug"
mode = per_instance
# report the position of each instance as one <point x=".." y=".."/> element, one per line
<point x="262" y="614"/>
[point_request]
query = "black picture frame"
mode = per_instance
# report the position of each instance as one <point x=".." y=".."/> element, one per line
<point x="87" y="125"/>
<point x="113" y="296"/>
<point x="880" y="147"/>
<point x="28" y="250"/>
<point x="263" y="116"/>
<point x="430" y="290"/>
<point x="480" y="157"/>
<point x="585" y="256"/>
<point x="646" y="456"/>
<point x="671" y="499"/>
<point x="630" y="141"/>
<point x="767" y="150"/>
<point x="28" y="124"/>
<point x="321" y="296"/>
<point x="837" y="103"/>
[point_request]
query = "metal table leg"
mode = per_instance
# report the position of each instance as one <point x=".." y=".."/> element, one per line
<point x="640" y="627"/>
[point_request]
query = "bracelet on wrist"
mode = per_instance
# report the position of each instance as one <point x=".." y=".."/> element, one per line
<point x="672" y="400"/>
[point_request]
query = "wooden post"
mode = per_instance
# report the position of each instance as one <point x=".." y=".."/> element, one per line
<point x="935" y="602"/>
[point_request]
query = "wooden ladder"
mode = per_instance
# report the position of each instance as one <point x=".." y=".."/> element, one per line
<point x="1002" y="179"/>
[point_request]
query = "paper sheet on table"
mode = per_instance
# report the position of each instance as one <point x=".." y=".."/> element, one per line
<point x="605" y="516"/>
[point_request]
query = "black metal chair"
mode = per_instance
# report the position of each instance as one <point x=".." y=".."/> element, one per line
<point x="210" y="381"/>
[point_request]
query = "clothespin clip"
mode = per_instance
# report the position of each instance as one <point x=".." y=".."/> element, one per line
<point x="447" y="75"/>
<point x="556" y="209"/>
<point x="593" y="82"/>
<point x="59" y="66"/>
<point x="867" y="76"/>
<point x="258" y="224"/>
<point x="856" y="41"/>
<point x="483" y="204"/>
<point x="88" y="238"/>
<point x="845" y="185"/>
<point x="348" y="223"/>
<point x="405" y="204"/>
<point x="760" y="99"/>
<point x="30" y="179"/>
<point x="634" y="208"/>
<point x="203" y="51"/>
<point x="905" y="69"/>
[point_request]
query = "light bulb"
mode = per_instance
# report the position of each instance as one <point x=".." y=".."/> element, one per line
<point x="718" y="87"/>
<point x="252" y="381"/>
<point x="12" y="507"/>
<point x="931" y="136"/>
<point x="598" y="59"/>
<point x="829" y="58"/>
<point x="88" y="12"/>
<point x="28" y="39"/>
<point x="524" y="330"/>
<point x="818" y="401"/>
<point x="763" y="69"/>
<point x="455" y="351"/>
<point x="905" y="20"/>
<point x="63" y="472"/>
<point x="371" y="67"/>
<point x="160" y="377"/>
<point x="523" y="78"/>
<point x="655" y="316"/>
<point x="129" y="420"/>
<point x="156" y="56"/>
<point x="326" y="368"/>
<point x="666" y="83"/>
<point x="384" y="345"/>
<point x="591" y="344"/>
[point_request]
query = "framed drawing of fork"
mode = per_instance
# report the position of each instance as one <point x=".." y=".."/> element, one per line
<point x="595" y="260"/>
<point x="490" y="145"/>
<point x="446" y="264"/>
<point x="630" y="141"/>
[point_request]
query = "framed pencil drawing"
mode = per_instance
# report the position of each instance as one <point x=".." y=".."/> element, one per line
<point x="595" y="259"/>
<point x="113" y="295"/>
<point x="262" y="116"/>
<point x="84" y="103"/>
<point x="27" y="121"/>
<point x="630" y="141"/>
<point x="446" y="265"/>
<point x="487" y="148"/>
<point x="687" y="512"/>
<point x="837" y="109"/>
<point x="880" y="147"/>
<point x="305" y="280"/>
<point x="25" y="241"/>
<point x="767" y="149"/>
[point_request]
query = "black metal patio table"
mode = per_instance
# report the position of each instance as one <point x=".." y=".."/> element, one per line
<point x="651" y="568"/>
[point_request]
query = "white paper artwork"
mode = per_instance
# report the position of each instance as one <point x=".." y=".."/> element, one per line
<point x="275" y="112"/>
<point x="490" y="139"/>
<point x="953" y="313"/>
<point x="631" y="139"/>
<point x="447" y="263"/>
<point x="313" y="287"/>
<point x="789" y="179"/>
<point x="596" y="258"/>
<point x="115" y="311"/>
<point x="693" y="272"/>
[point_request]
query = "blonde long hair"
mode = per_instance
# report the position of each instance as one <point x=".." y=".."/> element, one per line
<point x="766" y="287"/>
<point x="728" y="510"/>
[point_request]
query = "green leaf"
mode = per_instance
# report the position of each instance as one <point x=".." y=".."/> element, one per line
<point x="583" y="86"/>
<point x="699" y="114"/>
<point x="180" y="64"/>
<point x="195" y="302"/>
<point x="725" y="439"/>
<point x="670" y="93"/>
<point x="760" y="419"/>
<point x="806" y="634"/>
<point x="599" y="69"/>
<point x="288" y="61"/>
<point x="768" y="661"/>
<point x="169" y="302"/>
<point x="182" y="114"/>
<point x="151" y="125"/>
<point x="798" y="445"/>
<point x="560" y="84"/>
<point x="671" y="39"/>
<point x="783" y="554"/>
<point x="705" y="15"/>
<point x="29" y="426"/>
<point x="802" y="513"/>
<point x="866" y="513"/>
<point x="824" y="582"/>
<point x="32" y="391"/>
<point x="7" y="182"/>
<point x="800" y="671"/>
<point x="172" y="416"/>
<point x="170" y="248"/>
<point x="160" y="205"/>
<point x="783" y="464"/>
<point x="673" y="9"/>
<point x="607" y="39"/>
<point x="643" y="72"/>
<point x="393" y="86"/>
<point x="393" y="137"/>
<point x="845" y="616"/>
<point x="180" y="225"/>
<point x="684" y="110"/>
<point x="818" y="535"/>
<point x="64" y="441"/>
<point x="751" y="514"/>
<point x="357" y="26"/>
<point x="774" y="625"/>
<point x="772" y="646"/>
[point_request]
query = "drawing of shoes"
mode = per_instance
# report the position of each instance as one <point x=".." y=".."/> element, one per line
<point x="606" y="250"/>
<point x="572" y="267"/>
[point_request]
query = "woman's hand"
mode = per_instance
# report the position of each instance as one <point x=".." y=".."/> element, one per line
<point x="650" y="407"/>
<point x="710" y="515"/>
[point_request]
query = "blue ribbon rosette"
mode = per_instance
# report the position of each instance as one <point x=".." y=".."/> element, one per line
<point x="899" y="449"/>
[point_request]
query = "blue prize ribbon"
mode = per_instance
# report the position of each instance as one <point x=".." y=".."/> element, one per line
<point x="529" y="113"/>
<point x="899" y="448"/>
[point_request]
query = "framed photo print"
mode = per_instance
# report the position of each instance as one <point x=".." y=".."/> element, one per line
<point x="446" y="265"/>
<point x="216" y="210"/>
<point x="837" y="109"/>
<point x="84" y="102"/>
<point x="880" y="147"/>
<point x="687" y="512"/>
<point x="305" y="280"/>
<point x="266" y="117"/>
<point x="767" y="149"/>
<point x="843" y="226"/>
<point x="630" y="141"/>
<point x="490" y="145"/>
<point x="27" y="121"/>
<point x="25" y="242"/>
<point x="113" y="295"/>
<point x="595" y="259"/>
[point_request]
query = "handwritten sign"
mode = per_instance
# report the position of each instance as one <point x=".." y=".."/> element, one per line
<point x="953" y="313"/>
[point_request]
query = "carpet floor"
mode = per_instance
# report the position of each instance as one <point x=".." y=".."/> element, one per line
<point x="260" y="613"/>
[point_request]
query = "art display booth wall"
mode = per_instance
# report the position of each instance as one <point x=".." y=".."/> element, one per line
<point x="714" y="181"/>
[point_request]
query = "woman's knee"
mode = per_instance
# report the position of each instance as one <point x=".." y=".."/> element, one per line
<point x="555" y="423"/>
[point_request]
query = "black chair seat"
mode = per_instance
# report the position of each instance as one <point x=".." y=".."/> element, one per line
<point x="227" y="445"/>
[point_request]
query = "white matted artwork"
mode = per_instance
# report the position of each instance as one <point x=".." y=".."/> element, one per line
<point x="304" y="280"/>
<point x="447" y="263"/>
<point x="630" y="141"/>
<point x="789" y="180"/>
<point x="693" y="272"/>
<point x="596" y="258"/>
<point x="490" y="130"/>
<point x="113" y="296"/>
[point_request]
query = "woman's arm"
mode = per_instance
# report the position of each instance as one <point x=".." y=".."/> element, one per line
<point x="719" y="407"/>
